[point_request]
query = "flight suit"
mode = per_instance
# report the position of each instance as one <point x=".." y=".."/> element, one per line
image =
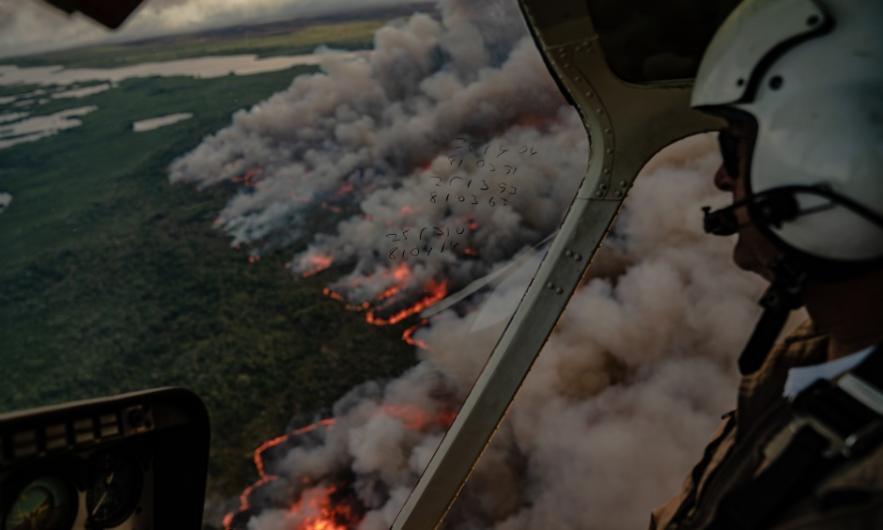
<point x="850" y="496"/>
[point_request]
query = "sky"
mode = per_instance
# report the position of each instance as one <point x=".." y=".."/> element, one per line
<point x="30" y="26"/>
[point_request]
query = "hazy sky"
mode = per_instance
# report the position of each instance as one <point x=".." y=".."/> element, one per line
<point x="28" y="26"/>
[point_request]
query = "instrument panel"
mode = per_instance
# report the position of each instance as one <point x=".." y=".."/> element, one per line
<point x="136" y="461"/>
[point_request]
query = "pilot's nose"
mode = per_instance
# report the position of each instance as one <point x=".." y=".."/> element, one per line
<point x="723" y="180"/>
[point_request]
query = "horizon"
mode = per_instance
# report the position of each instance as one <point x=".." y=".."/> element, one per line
<point x="33" y="27"/>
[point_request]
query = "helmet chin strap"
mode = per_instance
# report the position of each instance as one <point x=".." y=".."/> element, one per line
<point x="774" y="207"/>
<point x="784" y="295"/>
<point x="785" y="292"/>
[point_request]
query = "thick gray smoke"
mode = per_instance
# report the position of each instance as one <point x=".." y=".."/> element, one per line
<point x="615" y="411"/>
<point x="383" y="132"/>
<point x="5" y="201"/>
<point x="640" y="367"/>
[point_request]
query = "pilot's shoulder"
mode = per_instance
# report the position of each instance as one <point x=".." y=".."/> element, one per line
<point x="803" y="346"/>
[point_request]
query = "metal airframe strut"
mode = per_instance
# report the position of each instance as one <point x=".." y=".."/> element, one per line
<point x="627" y="124"/>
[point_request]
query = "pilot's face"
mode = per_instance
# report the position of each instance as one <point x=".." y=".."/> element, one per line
<point x="753" y="251"/>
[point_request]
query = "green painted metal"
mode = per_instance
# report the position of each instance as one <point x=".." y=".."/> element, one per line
<point x="627" y="124"/>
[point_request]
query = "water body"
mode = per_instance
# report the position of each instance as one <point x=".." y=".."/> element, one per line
<point x="161" y="121"/>
<point x="82" y="92"/>
<point x="56" y="83"/>
<point x="38" y="127"/>
<point x="200" y="67"/>
<point x="12" y="116"/>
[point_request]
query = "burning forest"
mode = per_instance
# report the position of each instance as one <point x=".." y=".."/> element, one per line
<point x="444" y="156"/>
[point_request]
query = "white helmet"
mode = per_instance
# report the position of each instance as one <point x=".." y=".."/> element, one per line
<point x="810" y="73"/>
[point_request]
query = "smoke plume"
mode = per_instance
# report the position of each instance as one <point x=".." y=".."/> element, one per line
<point x="451" y="125"/>
<point x="362" y="165"/>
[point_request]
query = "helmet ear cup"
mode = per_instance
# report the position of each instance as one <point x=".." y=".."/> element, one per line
<point x="825" y="146"/>
<point x="818" y="109"/>
<point x="811" y="76"/>
<point x="810" y="73"/>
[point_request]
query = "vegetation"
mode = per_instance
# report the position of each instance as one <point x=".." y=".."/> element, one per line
<point x="112" y="279"/>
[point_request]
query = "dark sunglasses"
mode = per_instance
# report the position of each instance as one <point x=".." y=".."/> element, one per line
<point x="730" y="152"/>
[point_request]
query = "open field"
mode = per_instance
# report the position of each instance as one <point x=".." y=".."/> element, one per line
<point x="113" y="280"/>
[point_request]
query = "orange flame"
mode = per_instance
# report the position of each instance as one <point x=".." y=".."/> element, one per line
<point x="316" y="264"/>
<point x="401" y="272"/>
<point x="249" y="178"/>
<point x="389" y="293"/>
<point x="344" y="189"/>
<point x="332" y="295"/>
<point x="263" y="477"/>
<point x="437" y="291"/>
<point x="408" y="337"/>
<point x="319" y="512"/>
<point x="364" y="306"/>
<point x="316" y="505"/>
<point x="416" y="419"/>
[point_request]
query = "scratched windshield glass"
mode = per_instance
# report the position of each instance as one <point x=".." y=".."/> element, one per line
<point x="319" y="224"/>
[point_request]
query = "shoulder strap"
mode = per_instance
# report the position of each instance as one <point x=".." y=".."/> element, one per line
<point x="832" y="423"/>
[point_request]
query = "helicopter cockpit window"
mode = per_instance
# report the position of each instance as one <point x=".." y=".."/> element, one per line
<point x="319" y="223"/>
<point x="646" y="41"/>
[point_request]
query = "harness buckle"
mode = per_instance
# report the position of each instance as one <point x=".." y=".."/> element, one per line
<point x="839" y="446"/>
